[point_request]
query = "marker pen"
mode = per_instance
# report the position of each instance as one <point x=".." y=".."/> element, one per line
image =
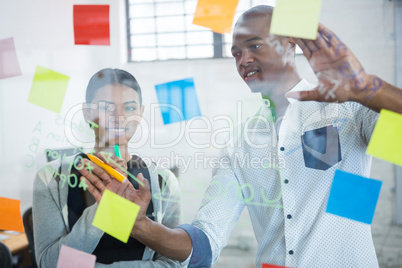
<point x="112" y="172"/>
<point x="117" y="151"/>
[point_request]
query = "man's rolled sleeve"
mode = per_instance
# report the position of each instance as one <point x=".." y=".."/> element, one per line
<point x="201" y="255"/>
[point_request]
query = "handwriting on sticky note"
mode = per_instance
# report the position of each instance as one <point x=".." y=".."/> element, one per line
<point x="10" y="215"/>
<point x="296" y="18"/>
<point x="216" y="15"/>
<point x="116" y="216"/>
<point x="73" y="258"/>
<point x="353" y="197"/>
<point x="48" y="89"/>
<point x="386" y="140"/>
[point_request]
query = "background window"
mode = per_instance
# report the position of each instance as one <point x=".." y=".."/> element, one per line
<point x="163" y="29"/>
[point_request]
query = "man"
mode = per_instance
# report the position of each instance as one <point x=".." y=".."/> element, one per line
<point x="286" y="199"/>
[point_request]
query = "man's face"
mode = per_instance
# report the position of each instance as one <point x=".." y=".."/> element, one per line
<point x="256" y="53"/>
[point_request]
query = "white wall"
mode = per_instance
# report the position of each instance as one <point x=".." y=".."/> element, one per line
<point x="43" y="35"/>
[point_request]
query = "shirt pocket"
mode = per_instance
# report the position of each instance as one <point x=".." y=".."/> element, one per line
<point x="321" y="147"/>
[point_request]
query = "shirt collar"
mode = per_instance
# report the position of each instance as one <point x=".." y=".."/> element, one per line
<point x="303" y="85"/>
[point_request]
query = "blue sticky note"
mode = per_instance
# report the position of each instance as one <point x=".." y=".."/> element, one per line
<point x="178" y="100"/>
<point x="353" y="197"/>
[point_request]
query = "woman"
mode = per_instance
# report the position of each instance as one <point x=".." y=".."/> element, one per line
<point x="63" y="214"/>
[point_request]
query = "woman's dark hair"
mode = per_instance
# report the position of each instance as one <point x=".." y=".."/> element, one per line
<point x="111" y="76"/>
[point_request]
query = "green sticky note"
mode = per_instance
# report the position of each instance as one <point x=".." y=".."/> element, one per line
<point x="386" y="140"/>
<point x="296" y="18"/>
<point x="116" y="216"/>
<point x="48" y="89"/>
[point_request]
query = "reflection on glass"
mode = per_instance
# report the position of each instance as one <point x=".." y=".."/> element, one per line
<point x="197" y="38"/>
<point x="143" y="40"/>
<point x="142" y="25"/>
<point x="191" y="27"/>
<point x="227" y="50"/>
<point x="173" y="39"/>
<point x="194" y="52"/>
<point x="173" y="8"/>
<point x="165" y="53"/>
<point x="138" y="11"/>
<point x="190" y="6"/>
<point x="141" y="1"/>
<point x="144" y="54"/>
<point x="170" y="24"/>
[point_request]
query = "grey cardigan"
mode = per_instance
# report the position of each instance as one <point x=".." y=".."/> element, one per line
<point x="50" y="217"/>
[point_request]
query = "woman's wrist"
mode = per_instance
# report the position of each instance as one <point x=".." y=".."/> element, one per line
<point x="141" y="227"/>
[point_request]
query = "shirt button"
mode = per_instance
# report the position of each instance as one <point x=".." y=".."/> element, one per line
<point x="289" y="216"/>
<point x="291" y="252"/>
<point x="286" y="181"/>
<point x="282" y="148"/>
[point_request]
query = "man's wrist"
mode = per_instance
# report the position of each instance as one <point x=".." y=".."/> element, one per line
<point x="363" y="95"/>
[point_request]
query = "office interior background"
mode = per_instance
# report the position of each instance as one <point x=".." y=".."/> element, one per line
<point x="162" y="45"/>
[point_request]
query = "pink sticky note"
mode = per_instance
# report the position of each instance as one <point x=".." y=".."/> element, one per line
<point x="73" y="258"/>
<point x="266" y="265"/>
<point x="9" y="66"/>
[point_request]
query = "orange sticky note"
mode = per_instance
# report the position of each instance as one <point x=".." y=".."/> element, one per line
<point x="10" y="215"/>
<point x="215" y="14"/>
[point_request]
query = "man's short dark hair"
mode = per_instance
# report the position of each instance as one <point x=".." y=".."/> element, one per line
<point x="257" y="11"/>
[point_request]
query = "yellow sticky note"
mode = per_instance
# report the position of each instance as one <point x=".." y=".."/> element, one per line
<point x="215" y="14"/>
<point x="386" y="140"/>
<point x="116" y="216"/>
<point x="48" y="89"/>
<point x="296" y="18"/>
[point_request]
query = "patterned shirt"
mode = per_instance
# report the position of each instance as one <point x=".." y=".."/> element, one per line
<point x="284" y="175"/>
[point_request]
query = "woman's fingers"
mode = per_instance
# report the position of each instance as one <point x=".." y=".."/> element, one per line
<point x="98" y="171"/>
<point x="115" y="162"/>
<point x="144" y="189"/>
<point x="98" y="177"/>
<point x="92" y="189"/>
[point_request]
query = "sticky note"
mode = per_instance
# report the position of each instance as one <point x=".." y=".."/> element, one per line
<point x="386" y="139"/>
<point x="72" y="258"/>
<point x="265" y="265"/>
<point x="296" y="18"/>
<point x="91" y="25"/>
<point x="116" y="216"/>
<point x="10" y="215"/>
<point x="353" y="197"/>
<point x="9" y="66"/>
<point x="48" y="89"/>
<point x="216" y="15"/>
<point x="178" y="100"/>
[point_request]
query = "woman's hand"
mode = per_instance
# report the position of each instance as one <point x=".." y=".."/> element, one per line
<point x="99" y="180"/>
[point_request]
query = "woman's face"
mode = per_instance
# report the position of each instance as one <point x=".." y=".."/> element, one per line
<point x="118" y="114"/>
